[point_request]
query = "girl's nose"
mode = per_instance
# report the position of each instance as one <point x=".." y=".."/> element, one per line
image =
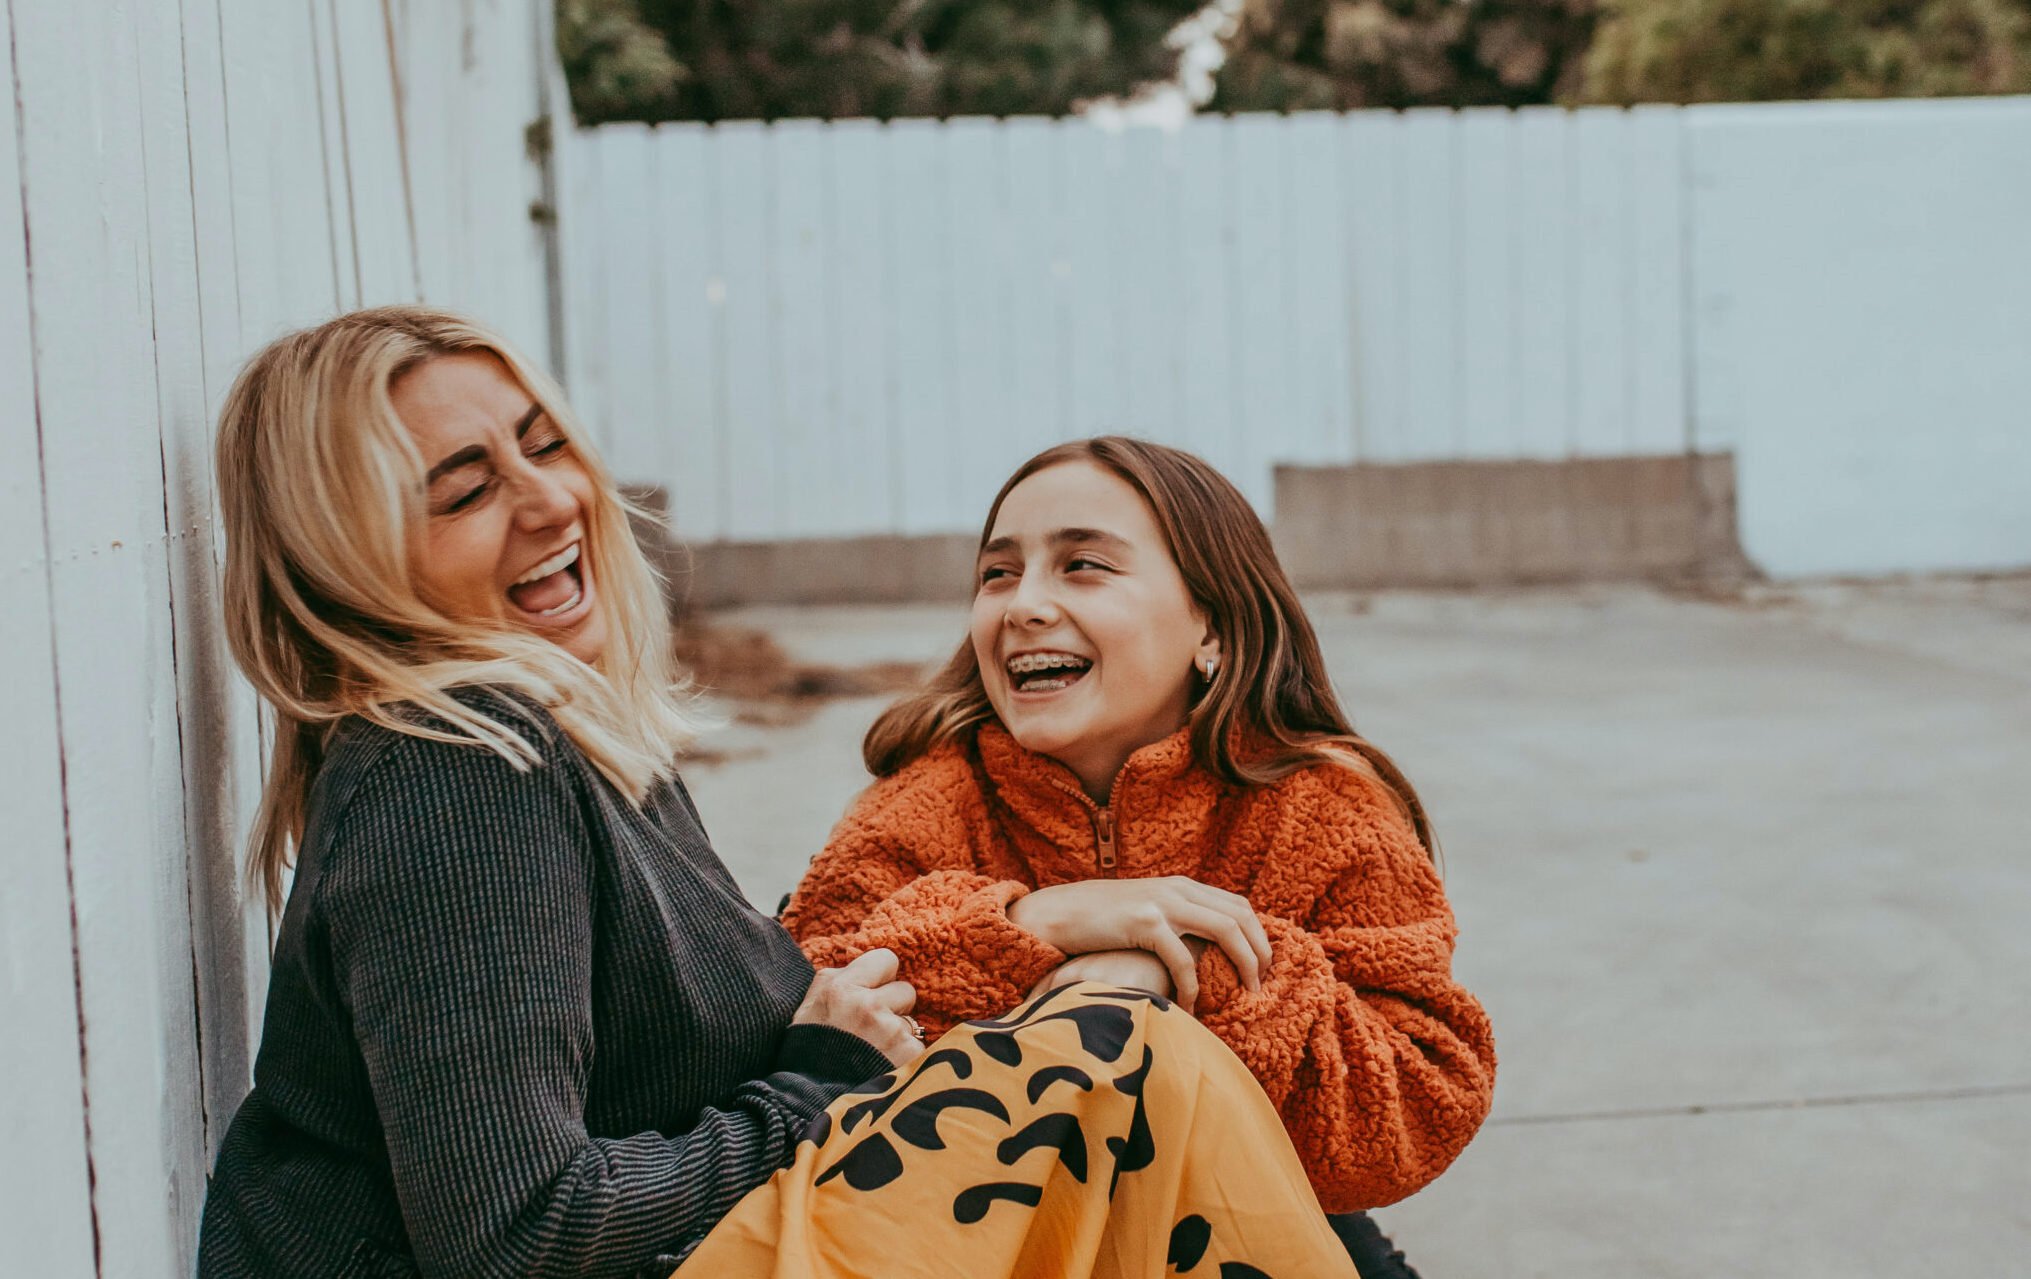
<point x="1031" y="605"/>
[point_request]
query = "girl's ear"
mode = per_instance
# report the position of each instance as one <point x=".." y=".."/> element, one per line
<point x="1208" y="656"/>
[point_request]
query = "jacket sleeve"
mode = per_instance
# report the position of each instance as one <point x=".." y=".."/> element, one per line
<point x="1381" y="1065"/>
<point x="458" y="898"/>
<point x="949" y="926"/>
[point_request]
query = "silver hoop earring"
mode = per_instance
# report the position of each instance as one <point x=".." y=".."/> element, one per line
<point x="1212" y="668"/>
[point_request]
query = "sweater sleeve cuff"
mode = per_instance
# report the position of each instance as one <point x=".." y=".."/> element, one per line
<point x="830" y="1055"/>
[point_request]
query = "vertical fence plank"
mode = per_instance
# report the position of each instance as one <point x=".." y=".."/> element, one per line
<point x="860" y="320"/>
<point x="338" y="183"/>
<point x="1146" y="241"/>
<point x="1209" y="419"/>
<point x="581" y="192"/>
<point x="1264" y="332"/>
<point x="1658" y="285"/>
<point x="102" y="473"/>
<point x="45" y="1200"/>
<point x="923" y="351"/>
<point x="1428" y="287"/>
<point x="635" y="408"/>
<point x="740" y="183"/>
<point x="1315" y="271"/>
<point x="497" y="84"/>
<point x="282" y="226"/>
<point x="978" y="270"/>
<point x="686" y="374"/>
<point x="1036" y="276"/>
<point x="1373" y="168"/>
<point x="1542" y="317"/>
<point x="205" y="705"/>
<point x="233" y="926"/>
<point x="1488" y="299"/>
<point x="1095" y="400"/>
<point x="798" y="286"/>
<point x="373" y="156"/>
<point x="1601" y="222"/>
<point x="431" y="57"/>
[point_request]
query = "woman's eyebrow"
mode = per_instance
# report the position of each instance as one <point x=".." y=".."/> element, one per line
<point x="467" y="456"/>
<point x="472" y="453"/>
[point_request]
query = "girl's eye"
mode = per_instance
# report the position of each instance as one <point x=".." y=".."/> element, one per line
<point x="546" y="446"/>
<point x="992" y="574"/>
<point x="1081" y="564"/>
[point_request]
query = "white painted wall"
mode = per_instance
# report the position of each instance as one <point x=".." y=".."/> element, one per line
<point x="193" y="177"/>
<point x="823" y="330"/>
<point x="1863" y="299"/>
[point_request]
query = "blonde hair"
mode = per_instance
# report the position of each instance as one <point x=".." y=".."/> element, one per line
<point x="1270" y="711"/>
<point x="322" y="489"/>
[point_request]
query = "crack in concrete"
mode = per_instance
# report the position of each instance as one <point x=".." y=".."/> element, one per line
<point x="1979" y="1093"/>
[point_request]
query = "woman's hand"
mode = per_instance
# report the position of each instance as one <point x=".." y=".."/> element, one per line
<point x="1133" y="969"/>
<point x="865" y="1000"/>
<point x="1155" y="915"/>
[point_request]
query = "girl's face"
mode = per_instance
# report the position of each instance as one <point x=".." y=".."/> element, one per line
<point x="1086" y="636"/>
<point x="508" y="501"/>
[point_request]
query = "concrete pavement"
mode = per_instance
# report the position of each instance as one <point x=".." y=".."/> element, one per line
<point x="1744" y="882"/>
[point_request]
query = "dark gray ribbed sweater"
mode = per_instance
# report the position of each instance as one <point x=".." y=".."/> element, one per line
<point x="516" y="1027"/>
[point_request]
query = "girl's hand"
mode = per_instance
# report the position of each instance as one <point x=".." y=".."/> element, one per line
<point x="1133" y="969"/>
<point x="1155" y="915"/>
<point x="865" y="1000"/>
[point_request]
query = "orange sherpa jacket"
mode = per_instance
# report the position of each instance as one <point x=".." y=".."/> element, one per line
<point x="1381" y="1066"/>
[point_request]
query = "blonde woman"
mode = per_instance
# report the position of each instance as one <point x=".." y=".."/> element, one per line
<point x="521" y="1020"/>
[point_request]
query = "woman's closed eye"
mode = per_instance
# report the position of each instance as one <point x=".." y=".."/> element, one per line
<point x="462" y="496"/>
<point x="544" y="444"/>
<point x="1087" y="564"/>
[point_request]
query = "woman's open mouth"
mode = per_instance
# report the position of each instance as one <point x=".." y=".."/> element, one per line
<point x="553" y="592"/>
<point x="1044" y="673"/>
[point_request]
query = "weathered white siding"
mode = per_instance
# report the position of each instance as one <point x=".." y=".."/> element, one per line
<point x="812" y="330"/>
<point x="193" y="177"/>
<point x="1862" y="277"/>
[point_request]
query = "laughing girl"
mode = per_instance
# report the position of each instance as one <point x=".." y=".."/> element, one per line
<point x="1135" y="771"/>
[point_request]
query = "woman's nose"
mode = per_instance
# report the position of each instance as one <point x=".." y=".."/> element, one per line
<point x="541" y="502"/>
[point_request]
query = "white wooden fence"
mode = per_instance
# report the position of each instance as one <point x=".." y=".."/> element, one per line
<point x="817" y="330"/>
<point x="194" y="177"/>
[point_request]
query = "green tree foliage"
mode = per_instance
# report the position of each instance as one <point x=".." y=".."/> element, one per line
<point x="1761" y="50"/>
<point x="1289" y="55"/>
<point x="775" y="59"/>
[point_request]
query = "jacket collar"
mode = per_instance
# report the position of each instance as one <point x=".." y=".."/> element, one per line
<point x="1158" y="796"/>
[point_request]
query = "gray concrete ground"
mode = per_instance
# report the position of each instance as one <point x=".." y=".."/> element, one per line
<point x="1745" y="884"/>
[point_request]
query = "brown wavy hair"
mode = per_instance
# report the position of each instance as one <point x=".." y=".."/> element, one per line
<point x="1270" y="710"/>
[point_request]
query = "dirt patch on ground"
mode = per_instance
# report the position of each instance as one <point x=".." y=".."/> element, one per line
<point x="749" y="669"/>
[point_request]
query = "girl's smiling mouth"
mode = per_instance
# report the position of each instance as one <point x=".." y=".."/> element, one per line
<point x="1045" y="672"/>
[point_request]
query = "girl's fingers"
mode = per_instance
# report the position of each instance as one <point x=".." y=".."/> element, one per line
<point x="1258" y="937"/>
<point x="1236" y="907"/>
<point x="1226" y="932"/>
<point x="1177" y="957"/>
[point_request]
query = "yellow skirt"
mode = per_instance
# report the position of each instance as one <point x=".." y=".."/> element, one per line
<point x="1092" y="1134"/>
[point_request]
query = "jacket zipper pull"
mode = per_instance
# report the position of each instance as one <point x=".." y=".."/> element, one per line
<point x="1103" y="838"/>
